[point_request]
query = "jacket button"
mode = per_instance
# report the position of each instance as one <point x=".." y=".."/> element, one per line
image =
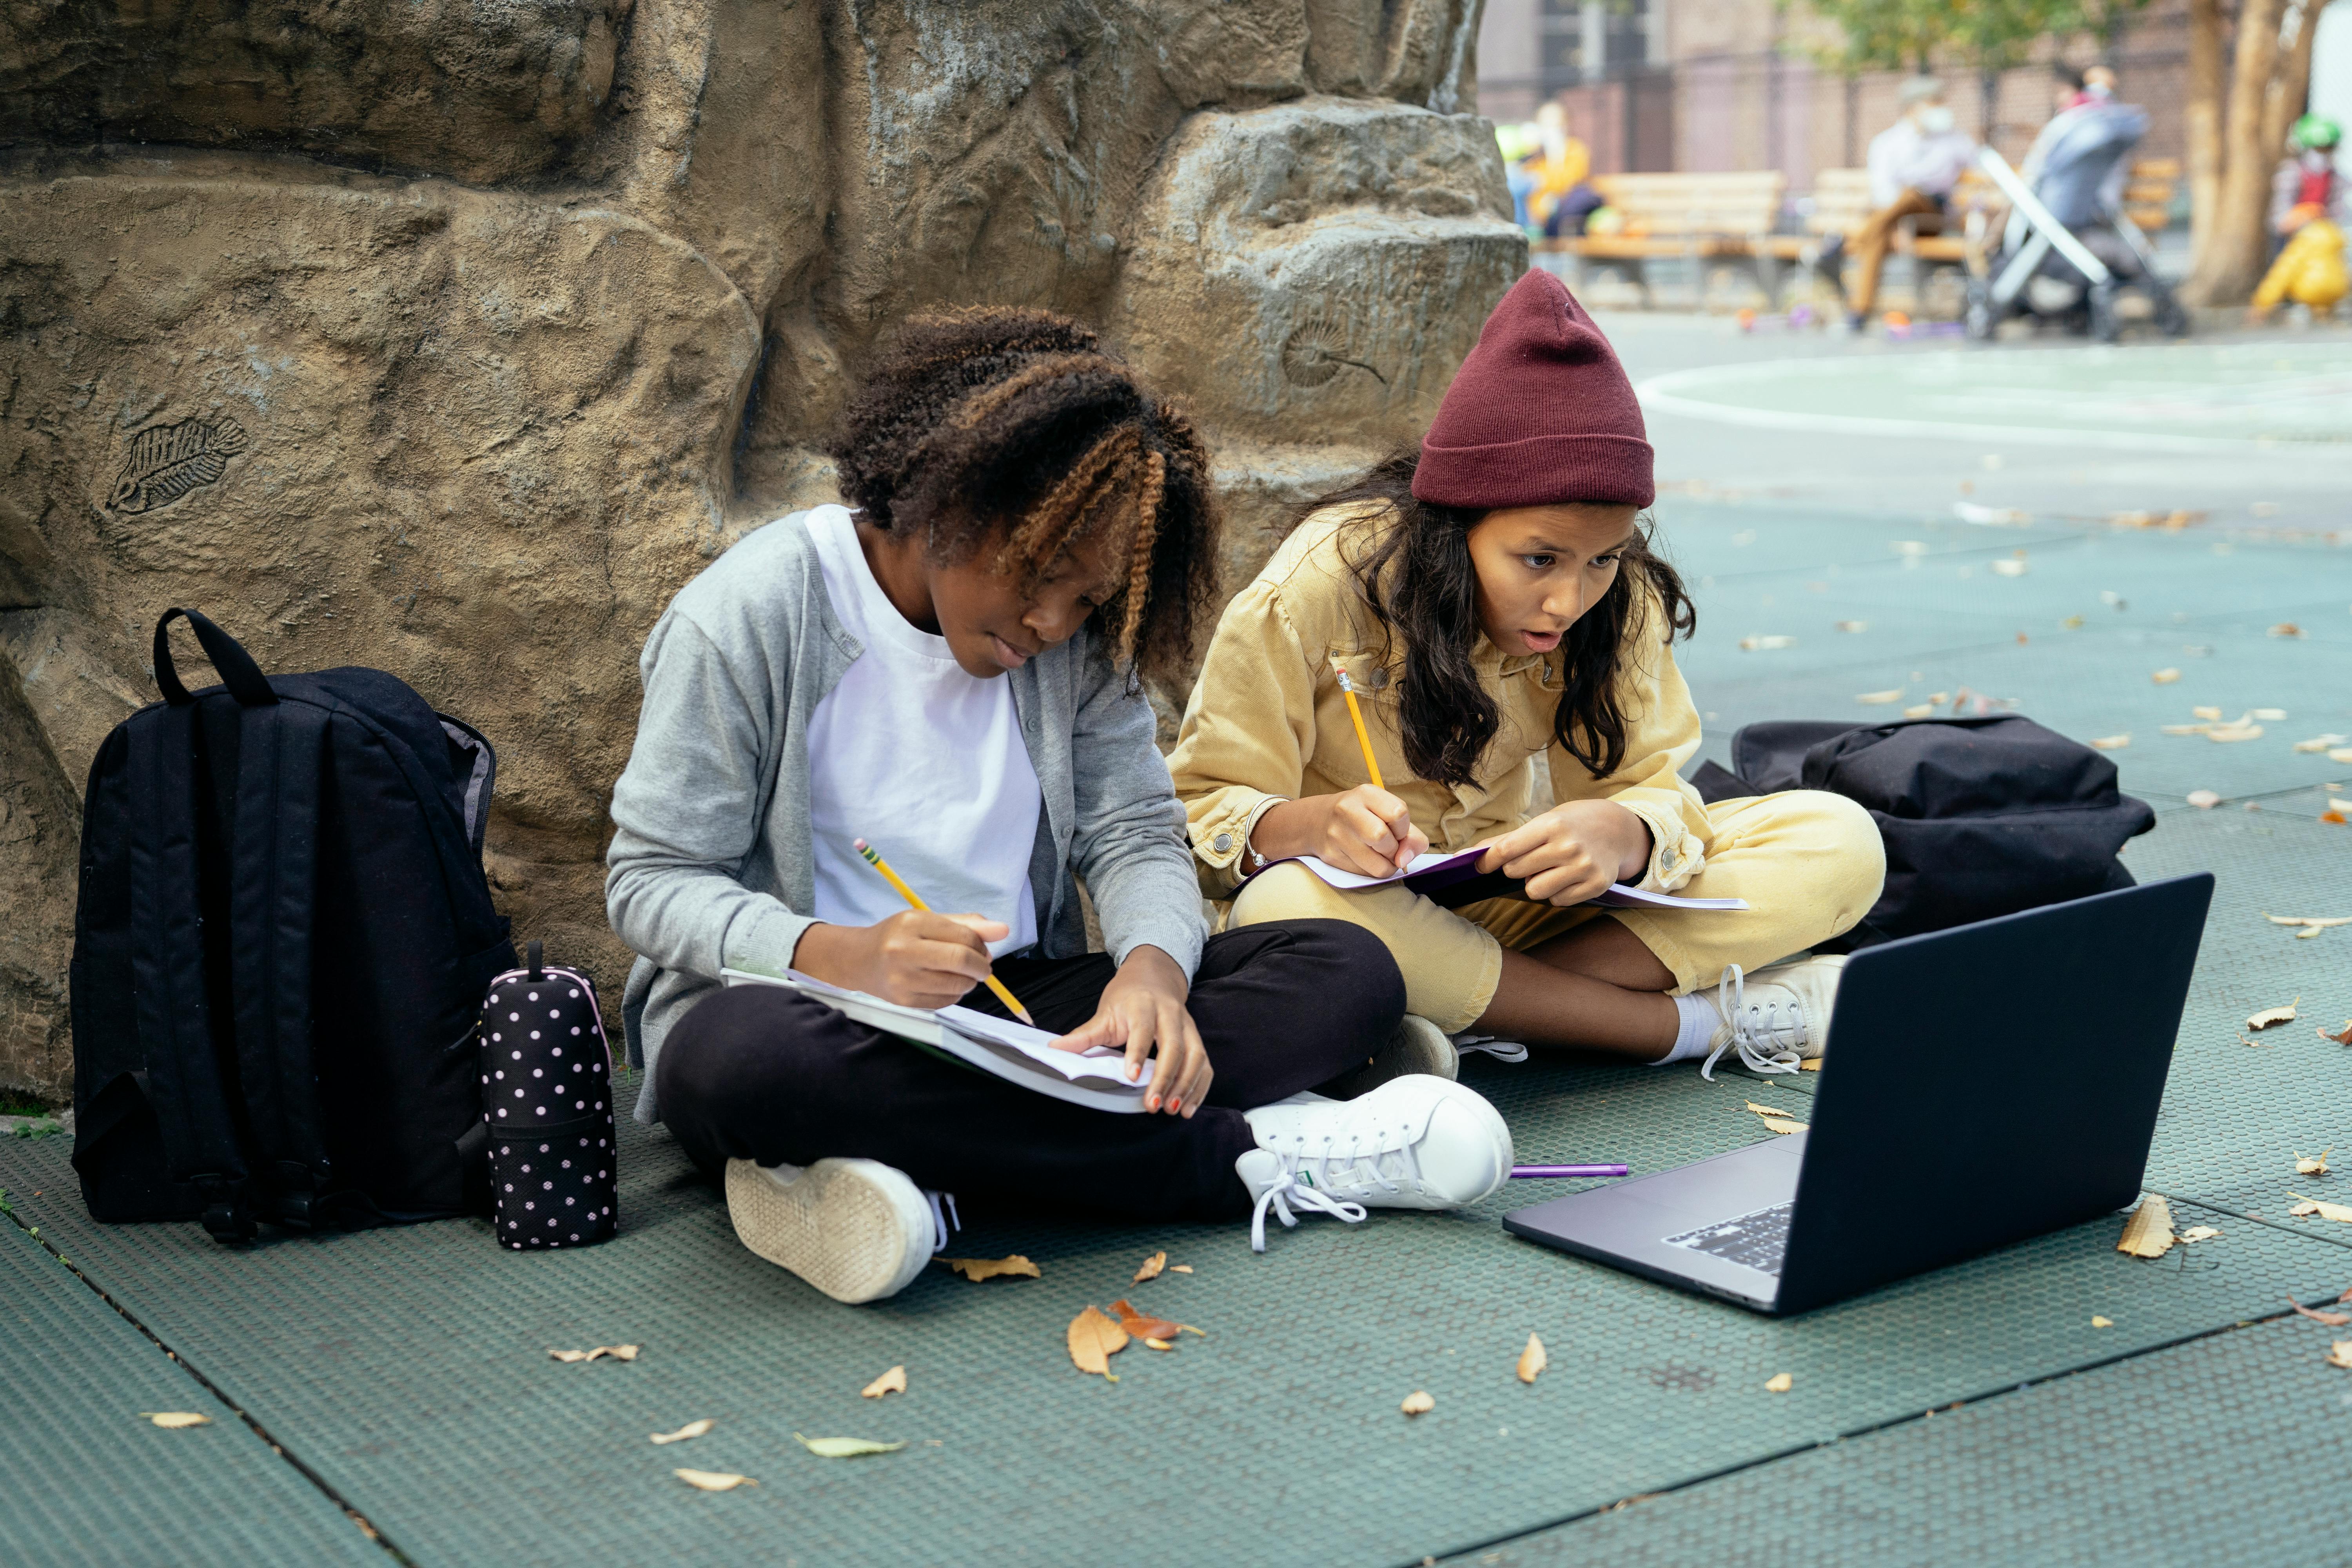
<point x="1224" y="841"/>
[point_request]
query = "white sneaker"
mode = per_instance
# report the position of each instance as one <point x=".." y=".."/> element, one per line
<point x="1414" y="1142"/>
<point x="1778" y="1018"/>
<point x="857" y="1229"/>
<point x="1416" y="1045"/>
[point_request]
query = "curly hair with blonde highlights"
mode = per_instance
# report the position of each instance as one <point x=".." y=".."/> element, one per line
<point x="1013" y="426"/>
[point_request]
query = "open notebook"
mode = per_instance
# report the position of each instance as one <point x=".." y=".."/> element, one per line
<point x="1452" y="880"/>
<point x="998" y="1047"/>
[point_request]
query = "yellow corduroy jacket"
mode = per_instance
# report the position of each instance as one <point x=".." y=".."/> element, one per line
<point x="1267" y="721"/>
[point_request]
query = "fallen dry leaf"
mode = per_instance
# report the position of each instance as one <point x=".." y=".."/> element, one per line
<point x="2340" y="1353"/>
<point x="2314" y="923"/>
<point x="1879" y="699"/>
<point x="1779" y="1383"/>
<point x="2009" y="568"/>
<point x="2197" y="1233"/>
<point x="2207" y="712"/>
<point x="1151" y="1268"/>
<point x="692" y="1429"/>
<point x="2203" y="799"/>
<point x="569" y="1355"/>
<point x="618" y="1353"/>
<point x="1919" y="710"/>
<point x="891" y="1382"/>
<point x="1853" y="625"/>
<point x="2149" y="1232"/>
<point x="1094" y="1339"/>
<point x="2321" y="743"/>
<point x="1180" y="1269"/>
<point x="1811" y="1063"/>
<point x="1775" y="1120"/>
<point x="2286" y="629"/>
<point x="2269" y="1017"/>
<point x="2099" y="1322"/>
<point x="844" y="1447"/>
<point x="1144" y="1327"/>
<point x="1758" y="642"/>
<point x="2342" y="1036"/>
<point x="1159" y="1344"/>
<point x="173" y="1420"/>
<point x="978" y="1268"/>
<point x="1532" y="1360"/>
<point x="1418" y="1403"/>
<point x="2270" y="715"/>
<point x="2340" y="1213"/>
<point x="2333" y="1320"/>
<point x="2339" y="753"/>
<point x="2111" y="743"/>
<point x="2313" y="1164"/>
<point x="713" y="1480"/>
<point x="2165" y="677"/>
<point x="2226" y="733"/>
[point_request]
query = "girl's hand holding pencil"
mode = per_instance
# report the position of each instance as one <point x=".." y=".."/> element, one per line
<point x="1365" y="829"/>
<point x="918" y="959"/>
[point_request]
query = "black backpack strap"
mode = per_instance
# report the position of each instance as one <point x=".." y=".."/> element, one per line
<point x="235" y="666"/>
<point x="174" y="1007"/>
<point x="273" y="887"/>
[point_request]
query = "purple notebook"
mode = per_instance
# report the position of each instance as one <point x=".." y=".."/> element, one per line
<point x="1454" y="879"/>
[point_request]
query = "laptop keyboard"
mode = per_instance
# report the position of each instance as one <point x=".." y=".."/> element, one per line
<point x="1756" y="1241"/>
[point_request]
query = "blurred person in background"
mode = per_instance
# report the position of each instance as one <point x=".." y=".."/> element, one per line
<point x="1561" y="199"/>
<point x="2307" y="212"/>
<point x="1914" y="164"/>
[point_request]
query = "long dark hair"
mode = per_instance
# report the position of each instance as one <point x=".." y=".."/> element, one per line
<point x="1417" y="580"/>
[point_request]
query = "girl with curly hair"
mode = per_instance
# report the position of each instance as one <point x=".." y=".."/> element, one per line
<point x="949" y="665"/>
<point x="1493" y="598"/>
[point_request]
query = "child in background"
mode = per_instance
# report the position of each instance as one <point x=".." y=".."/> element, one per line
<point x="1494" y="597"/>
<point x="950" y="669"/>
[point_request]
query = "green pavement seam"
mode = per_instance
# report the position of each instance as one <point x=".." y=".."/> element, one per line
<point x="1793" y="1449"/>
<point x="367" y="1527"/>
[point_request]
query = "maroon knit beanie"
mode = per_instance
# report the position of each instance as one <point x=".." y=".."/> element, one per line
<point x="1540" y="412"/>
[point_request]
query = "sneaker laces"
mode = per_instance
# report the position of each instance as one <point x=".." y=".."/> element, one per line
<point x="944" y="1218"/>
<point x="1305" y="1176"/>
<point x="1289" y="1189"/>
<point x="1767" y="1034"/>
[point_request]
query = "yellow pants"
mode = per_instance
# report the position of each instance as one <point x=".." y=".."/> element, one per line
<point x="1807" y="862"/>
<point x="2309" y="271"/>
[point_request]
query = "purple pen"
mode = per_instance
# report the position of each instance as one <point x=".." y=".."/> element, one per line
<point x="1525" y="1172"/>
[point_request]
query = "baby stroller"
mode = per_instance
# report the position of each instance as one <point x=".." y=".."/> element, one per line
<point x="2068" y="249"/>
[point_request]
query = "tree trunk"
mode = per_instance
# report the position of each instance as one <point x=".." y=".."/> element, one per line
<point x="2292" y="87"/>
<point x="2237" y="247"/>
<point x="2203" y="123"/>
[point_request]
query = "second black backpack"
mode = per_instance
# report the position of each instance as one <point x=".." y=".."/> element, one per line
<point x="1980" y="817"/>
<point x="280" y="954"/>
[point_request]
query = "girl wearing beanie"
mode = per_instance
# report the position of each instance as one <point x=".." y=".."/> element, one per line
<point x="1494" y="602"/>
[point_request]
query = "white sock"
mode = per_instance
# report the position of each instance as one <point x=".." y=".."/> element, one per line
<point x="1700" y="1022"/>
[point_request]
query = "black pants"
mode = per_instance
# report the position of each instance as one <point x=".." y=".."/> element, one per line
<point x="761" y="1073"/>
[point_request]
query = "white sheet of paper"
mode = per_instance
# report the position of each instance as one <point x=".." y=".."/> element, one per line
<point x="1101" y="1062"/>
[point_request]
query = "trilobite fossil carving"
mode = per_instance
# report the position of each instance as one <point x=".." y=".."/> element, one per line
<point x="1316" y="350"/>
<point x="166" y="461"/>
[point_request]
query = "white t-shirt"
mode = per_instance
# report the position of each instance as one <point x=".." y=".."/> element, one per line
<point x="919" y="757"/>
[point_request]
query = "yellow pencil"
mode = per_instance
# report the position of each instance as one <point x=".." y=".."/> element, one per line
<point x="1363" y="739"/>
<point x="916" y="899"/>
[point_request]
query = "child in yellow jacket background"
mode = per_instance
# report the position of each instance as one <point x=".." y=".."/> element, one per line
<point x="1493" y="601"/>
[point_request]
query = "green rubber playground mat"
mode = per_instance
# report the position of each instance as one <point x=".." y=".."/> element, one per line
<point x="84" y="1480"/>
<point x="409" y="1367"/>
<point x="2173" y="1458"/>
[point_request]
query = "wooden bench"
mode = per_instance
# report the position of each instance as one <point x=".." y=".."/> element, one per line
<point x="1696" y="218"/>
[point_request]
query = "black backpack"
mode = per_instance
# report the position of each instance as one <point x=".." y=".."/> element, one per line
<point x="1980" y="817"/>
<point x="280" y="949"/>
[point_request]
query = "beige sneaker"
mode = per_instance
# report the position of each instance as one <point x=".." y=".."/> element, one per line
<point x="856" y="1229"/>
<point x="1777" y="1017"/>
<point x="1417" y="1045"/>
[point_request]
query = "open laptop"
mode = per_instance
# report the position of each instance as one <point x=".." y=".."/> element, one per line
<point x="1989" y="1083"/>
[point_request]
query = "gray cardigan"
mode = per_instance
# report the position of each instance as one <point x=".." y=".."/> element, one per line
<point x="710" y="864"/>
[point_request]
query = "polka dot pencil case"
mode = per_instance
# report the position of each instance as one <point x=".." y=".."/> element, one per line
<point x="547" y="1099"/>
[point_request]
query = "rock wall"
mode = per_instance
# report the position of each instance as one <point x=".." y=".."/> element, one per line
<point x="453" y="339"/>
